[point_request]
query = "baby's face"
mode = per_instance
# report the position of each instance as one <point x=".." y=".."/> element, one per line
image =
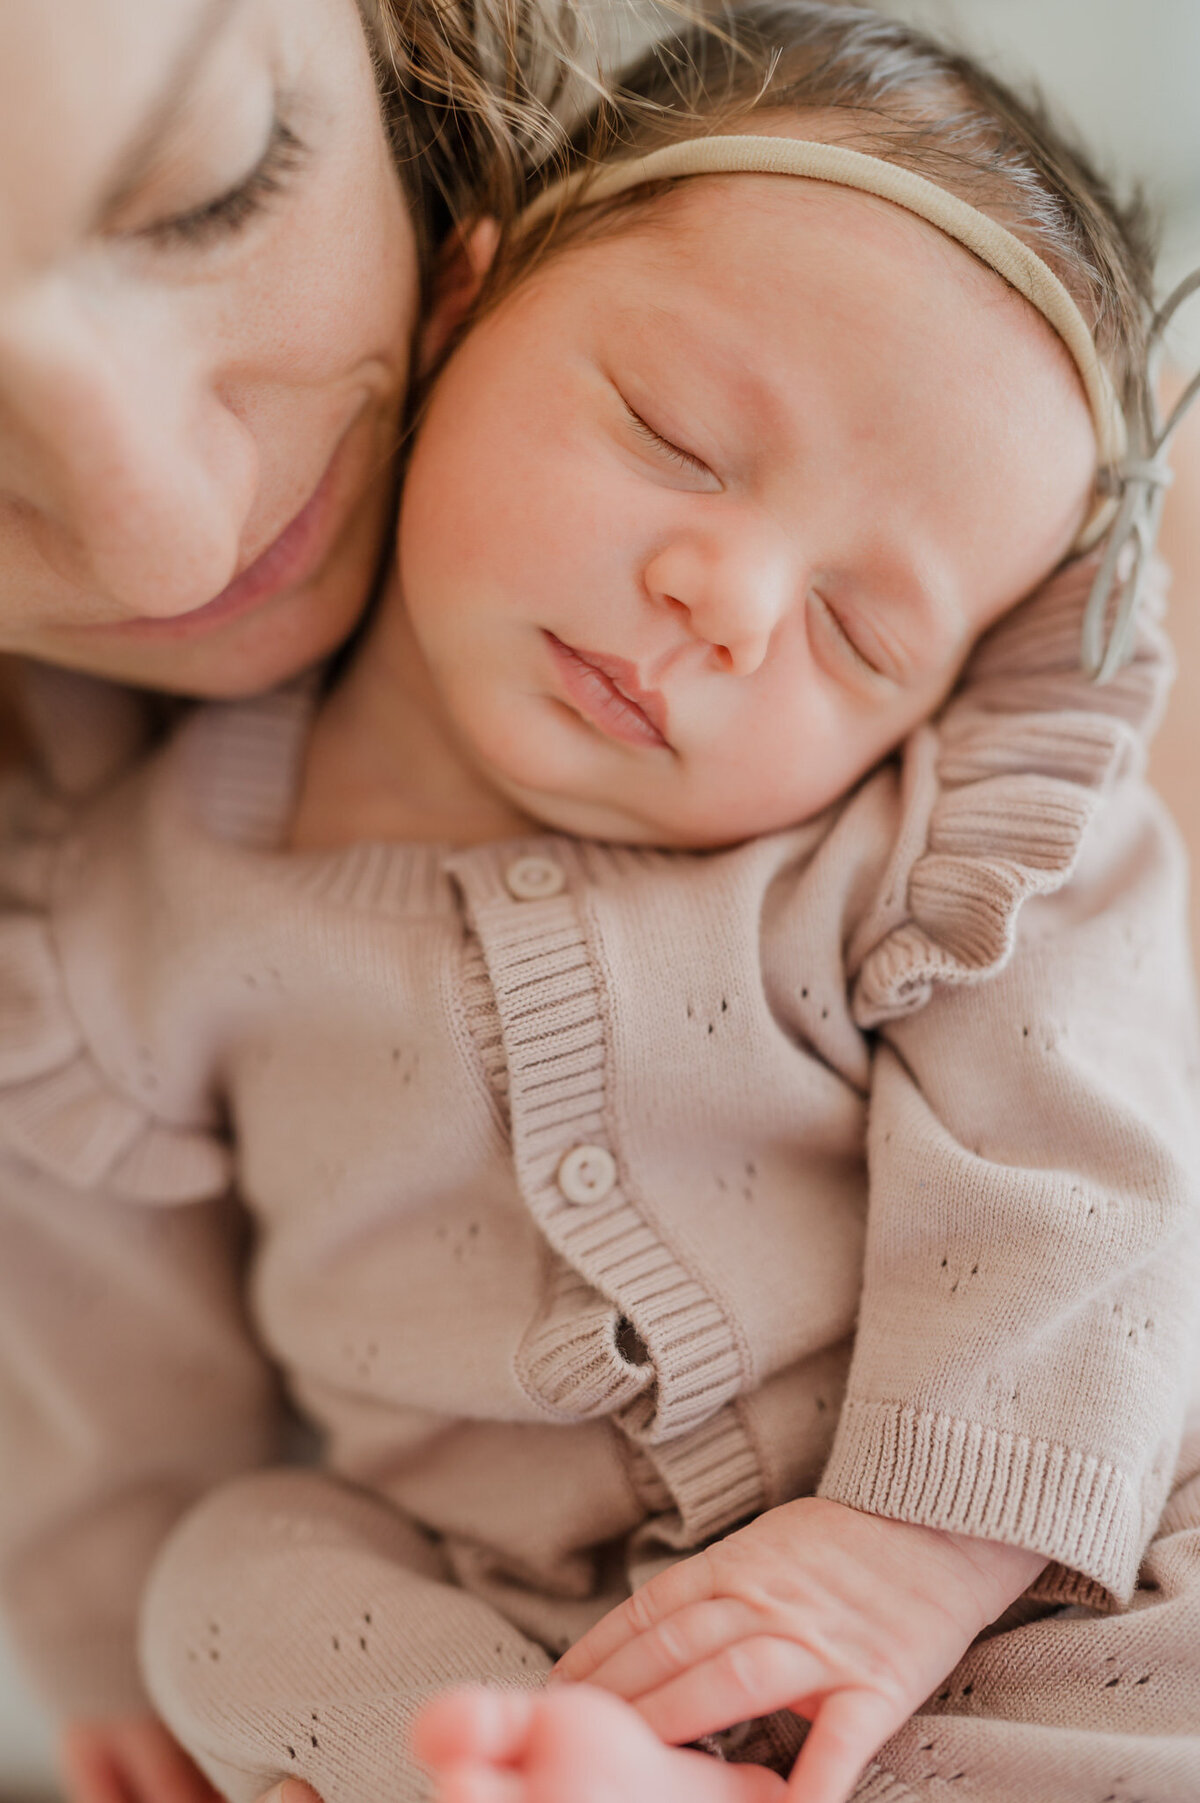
<point x="705" y="517"/>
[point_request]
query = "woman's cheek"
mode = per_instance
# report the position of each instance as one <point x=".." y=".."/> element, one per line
<point x="313" y="319"/>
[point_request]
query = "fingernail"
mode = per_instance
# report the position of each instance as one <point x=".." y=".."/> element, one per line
<point x="292" y="1790"/>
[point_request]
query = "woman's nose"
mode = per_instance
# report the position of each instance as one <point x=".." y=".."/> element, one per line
<point x="733" y="591"/>
<point x="135" y="479"/>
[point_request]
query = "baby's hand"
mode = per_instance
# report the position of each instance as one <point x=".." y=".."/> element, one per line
<point x="849" y="1619"/>
<point x="132" y="1760"/>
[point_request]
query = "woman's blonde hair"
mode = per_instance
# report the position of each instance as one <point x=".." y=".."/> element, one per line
<point x="472" y="91"/>
<point x="888" y="89"/>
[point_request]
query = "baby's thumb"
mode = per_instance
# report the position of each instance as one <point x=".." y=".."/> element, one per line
<point x="290" y="1791"/>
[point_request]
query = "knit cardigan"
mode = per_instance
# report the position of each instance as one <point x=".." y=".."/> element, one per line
<point x="586" y="1196"/>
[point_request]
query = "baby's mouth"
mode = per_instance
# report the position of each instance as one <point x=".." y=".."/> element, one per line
<point x="606" y="692"/>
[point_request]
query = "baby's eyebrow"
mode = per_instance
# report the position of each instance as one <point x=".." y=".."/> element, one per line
<point x="146" y="145"/>
<point x="683" y="346"/>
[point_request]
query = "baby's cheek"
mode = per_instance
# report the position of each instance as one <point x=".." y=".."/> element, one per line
<point x="793" y="754"/>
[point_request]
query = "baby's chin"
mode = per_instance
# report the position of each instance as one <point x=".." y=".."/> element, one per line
<point x="662" y="799"/>
<point x="618" y="820"/>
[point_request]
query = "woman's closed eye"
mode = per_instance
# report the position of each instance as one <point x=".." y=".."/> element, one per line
<point x="229" y="213"/>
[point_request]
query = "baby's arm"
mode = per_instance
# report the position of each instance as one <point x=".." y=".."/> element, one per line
<point x="849" y="1619"/>
<point x="1025" y="1338"/>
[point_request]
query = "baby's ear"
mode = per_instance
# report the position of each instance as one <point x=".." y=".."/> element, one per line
<point x="462" y="264"/>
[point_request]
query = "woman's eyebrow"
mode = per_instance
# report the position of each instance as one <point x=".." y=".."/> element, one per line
<point x="139" y="157"/>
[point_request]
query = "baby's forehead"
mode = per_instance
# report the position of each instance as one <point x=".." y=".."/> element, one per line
<point x="778" y="231"/>
<point x="740" y="254"/>
<point x="822" y="172"/>
<point x="892" y="396"/>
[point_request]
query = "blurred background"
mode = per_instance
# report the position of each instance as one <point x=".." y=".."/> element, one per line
<point x="1127" y="75"/>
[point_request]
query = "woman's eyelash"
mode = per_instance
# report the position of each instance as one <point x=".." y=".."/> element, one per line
<point x="676" y="453"/>
<point x="232" y="211"/>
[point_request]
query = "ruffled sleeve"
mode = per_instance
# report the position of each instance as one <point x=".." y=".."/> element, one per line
<point x="129" y="1383"/>
<point x="1000" y="792"/>
<point x="59" y="1111"/>
<point x="1026" y="1331"/>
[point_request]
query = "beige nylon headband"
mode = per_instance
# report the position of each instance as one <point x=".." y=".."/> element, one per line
<point x="1021" y="267"/>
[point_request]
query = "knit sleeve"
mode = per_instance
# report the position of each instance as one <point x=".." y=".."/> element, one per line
<point x="1027" y="1327"/>
<point x="129" y="1383"/>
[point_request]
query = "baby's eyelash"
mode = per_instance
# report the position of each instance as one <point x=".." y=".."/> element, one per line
<point x="845" y="642"/>
<point x="676" y="453"/>
<point x="232" y="211"/>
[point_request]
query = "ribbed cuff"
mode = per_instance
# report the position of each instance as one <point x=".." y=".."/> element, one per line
<point x="1061" y="1586"/>
<point x="943" y="1472"/>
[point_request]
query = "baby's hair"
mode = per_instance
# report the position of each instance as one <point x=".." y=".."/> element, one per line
<point x="876" y="85"/>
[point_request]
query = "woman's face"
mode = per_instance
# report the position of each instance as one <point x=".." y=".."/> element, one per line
<point x="208" y="284"/>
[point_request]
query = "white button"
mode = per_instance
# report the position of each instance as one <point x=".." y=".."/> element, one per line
<point x="534" y="879"/>
<point x="587" y="1174"/>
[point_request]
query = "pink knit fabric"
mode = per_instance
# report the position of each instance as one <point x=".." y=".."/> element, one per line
<point x="969" y="974"/>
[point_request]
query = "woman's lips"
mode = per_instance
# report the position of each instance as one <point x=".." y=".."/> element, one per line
<point x="605" y="690"/>
<point x="288" y="560"/>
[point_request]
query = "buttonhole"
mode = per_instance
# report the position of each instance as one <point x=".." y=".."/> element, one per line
<point x="630" y="1344"/>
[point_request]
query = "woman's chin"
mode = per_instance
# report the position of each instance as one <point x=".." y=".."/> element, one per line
<point x="229" y="659"/>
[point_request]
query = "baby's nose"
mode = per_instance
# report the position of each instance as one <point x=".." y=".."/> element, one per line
<point x="734" y="593"/>
<point x="744" y="630"/>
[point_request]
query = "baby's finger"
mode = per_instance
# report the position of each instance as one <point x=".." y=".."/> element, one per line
<point x="481" y="1784"/>
<point x="89" y="1775"/>
<point x="692" y="1634"/>
<point x="688" y="1582"/>
<point x="161" y="1772"/>
<point x="474" y="1726"/>
<point x="754" y="1677"/>
<point x="848" y="1728"/>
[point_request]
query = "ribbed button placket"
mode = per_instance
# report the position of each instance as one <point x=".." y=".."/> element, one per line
<point x="549" y="998"/>
<point x="587" y="1175"/>
<point x="534" y="878"/>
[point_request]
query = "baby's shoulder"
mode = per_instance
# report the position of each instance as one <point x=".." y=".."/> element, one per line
<point x="1029" y="771"/>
